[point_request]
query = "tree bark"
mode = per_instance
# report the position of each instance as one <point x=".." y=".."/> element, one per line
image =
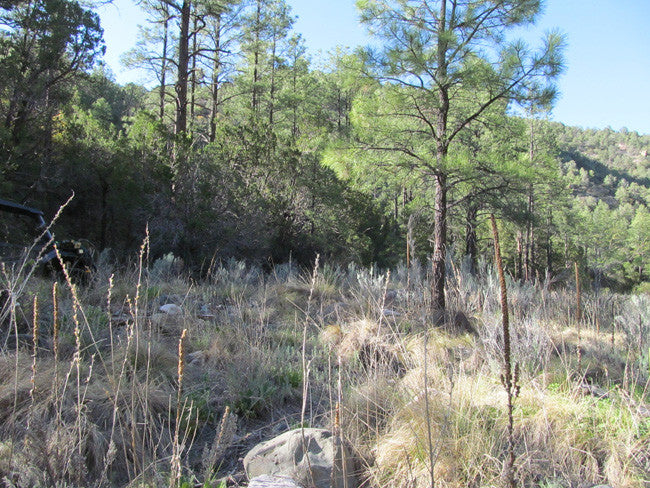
<point x="216" y="69"/>
<point x="193" y="74"/>
<point x="439" y="243"/>
<point x="294" y="86"/>
<point x="183" y="64"/>
<point x="529" y="254"/>
<point x="163" y="66"/>
<point x="530" y="242"/>
<point x="519" y="260"/>
<point x="272" y="89"/>
<point x="440" y="180"/>
<point x="256" y="57"/>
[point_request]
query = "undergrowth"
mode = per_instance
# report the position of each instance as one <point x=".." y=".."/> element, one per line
<point x="97" y="391"/>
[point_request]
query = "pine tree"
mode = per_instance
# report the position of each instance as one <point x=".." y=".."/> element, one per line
<point x="446" y="64"/>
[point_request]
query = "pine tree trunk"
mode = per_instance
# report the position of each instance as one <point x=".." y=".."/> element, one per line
<point x="214" y="107"/>
<point x="183" y="64"/>
<point x="339" y="109"/>
<point x="530" y="244"/>
<point x="294" y="122"/>
<point x="529" y="263"/>
<point x="272" y="89"/>
<point x="256" y="58"/>
<point x="163" y="63"/>
<point x="442" y="148"/>
<point x="193" y="75"/>
<point x="439" y="243"/>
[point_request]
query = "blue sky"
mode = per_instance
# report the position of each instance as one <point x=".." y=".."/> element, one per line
<point x="606" y="83"/>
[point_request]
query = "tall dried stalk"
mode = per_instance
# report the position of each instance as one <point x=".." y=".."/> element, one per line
<point x="382" y="310"/>
<point x="337" y="423"/>
<point x="109" y="313"/>
<point x="175" y="474"/>
<point x="219" y="446"/>
<point x="110" y="455"/>
<point x="136" y="387"/>
<point x="56" y="329"/>
<point x="427" y="409"/>
<point x="509" y="379"/>
<point x="578" y="316"/>
<point x="306" y="366"/>
<point x="32" y="390"/>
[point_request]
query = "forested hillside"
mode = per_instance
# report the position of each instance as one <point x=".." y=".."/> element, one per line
<point x="609" y="175"/>
<point x="242" y="145"/>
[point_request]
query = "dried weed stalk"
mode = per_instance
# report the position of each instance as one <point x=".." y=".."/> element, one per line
<point x="509" y="378"/>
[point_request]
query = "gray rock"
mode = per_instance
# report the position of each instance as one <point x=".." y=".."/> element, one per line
<point x="594" y="390"/>
<point x="284" y="456"/>
<point x="171" y="309"/>
<point x="167" y="324"/>
<point x="390" y="313"/>
<point x="266" y="481"/>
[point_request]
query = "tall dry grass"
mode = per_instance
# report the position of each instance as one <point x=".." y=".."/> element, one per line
<point x="98" y="393"/>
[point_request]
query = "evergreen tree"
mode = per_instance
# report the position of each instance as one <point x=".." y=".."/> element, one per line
<point x="44" y="45"/>
<point x="443" y="65"/>
<point x="639" y="241"/>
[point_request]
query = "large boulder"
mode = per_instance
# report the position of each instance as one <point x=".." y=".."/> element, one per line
<point x="316" y="460"/>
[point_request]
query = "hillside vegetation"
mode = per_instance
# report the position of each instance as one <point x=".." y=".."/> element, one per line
<point x="267" y="155"/>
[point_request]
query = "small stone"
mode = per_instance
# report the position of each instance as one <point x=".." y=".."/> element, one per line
<point x="594" y="390"/>
<point x="171" y="309"/>
<point x="197" y="358"/>
<point x="390" y="313"/>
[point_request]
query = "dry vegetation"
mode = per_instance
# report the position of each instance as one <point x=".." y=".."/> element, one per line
<point x="117" y="393"/>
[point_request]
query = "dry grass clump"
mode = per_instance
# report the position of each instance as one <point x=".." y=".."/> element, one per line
<point x="466" y="428"/>
<point x="560" y="436"/>
<point x="581" y="437"/>
<point x="371" y="344"/>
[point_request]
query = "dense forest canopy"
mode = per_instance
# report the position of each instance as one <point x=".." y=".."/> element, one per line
<point x="242" y="148"/>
